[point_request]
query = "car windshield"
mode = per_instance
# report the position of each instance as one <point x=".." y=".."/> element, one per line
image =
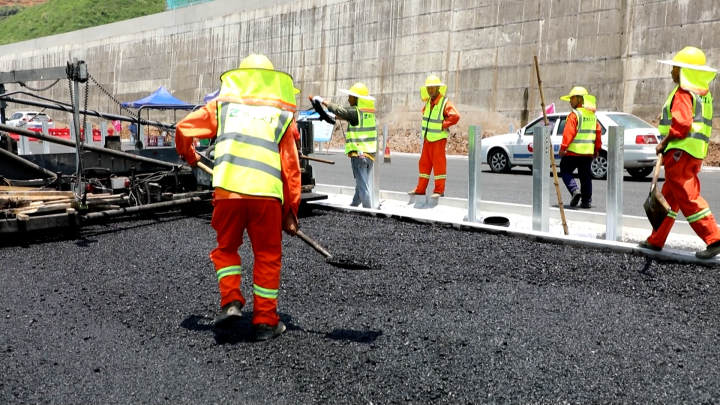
<point x="629" y="121"/>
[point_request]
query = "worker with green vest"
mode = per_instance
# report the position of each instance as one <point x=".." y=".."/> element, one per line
<point x="438" y="114"/>
<point x="685" y="125"/>
<point x="360" y="139"/>
<point x="256" y="177"/>
<point x="581" y="144"/>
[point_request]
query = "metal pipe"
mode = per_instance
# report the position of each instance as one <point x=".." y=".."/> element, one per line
<point x="78" y="137"/>
<point x="541" y="174"/>
<point x="616" y="169"/>
<point x="93" y="113"/>
<point x="10" y="155"/>
<point x="60" y="141"/>
<point x="139" y="208"/>
<point x="474" y="171"/>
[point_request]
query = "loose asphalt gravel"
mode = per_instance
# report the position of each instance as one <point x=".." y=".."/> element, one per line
<point x="122" y="314"/>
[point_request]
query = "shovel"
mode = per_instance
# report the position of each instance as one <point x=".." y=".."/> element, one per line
<point x="656" y="207"/>
<point x="337" y="261"/>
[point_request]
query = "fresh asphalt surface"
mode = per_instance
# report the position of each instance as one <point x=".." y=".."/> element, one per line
<point x="514" y="187"/>
<point x="122" y="314"/>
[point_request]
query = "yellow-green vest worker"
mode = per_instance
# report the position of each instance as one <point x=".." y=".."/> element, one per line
<point x="697" y="140"/>
<point x="254" y="110"/>
<point x="363" y="137"/>
<point x="584" y="141"/>
<point x="432" y="120"/>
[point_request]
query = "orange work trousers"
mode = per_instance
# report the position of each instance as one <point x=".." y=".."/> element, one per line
<point x="432" y="159"/>
<point x="682" y="192"/>
<point x="263" y="220"/>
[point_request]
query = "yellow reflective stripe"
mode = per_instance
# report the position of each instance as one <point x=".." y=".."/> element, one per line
<point x="228" y="271"/>
<point x="424" y="176"/>
<point x="699" y="215"/>
<point x="265" y="292"/>
<point x="672" y="214"/>
<point x="441" y="176"/>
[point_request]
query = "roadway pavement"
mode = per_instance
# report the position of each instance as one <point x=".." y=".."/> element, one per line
<point x="514" y="187"/>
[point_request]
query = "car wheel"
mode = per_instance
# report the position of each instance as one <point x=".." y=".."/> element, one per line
<point x="499" y="162"/>
<point x="599" y="166"/>
<point x="640" y="172"/>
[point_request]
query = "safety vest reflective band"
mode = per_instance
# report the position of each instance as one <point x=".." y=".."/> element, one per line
<point x="584" y="142"/>
<point x="699" y="215"/>
<point x="265" y="292"/>
<point x="362" y="137"/>
<point x="697" y="140"/>
<point x="247" y="157"/>
<point x="432" y="121"/>
<point x="228" y="271"/>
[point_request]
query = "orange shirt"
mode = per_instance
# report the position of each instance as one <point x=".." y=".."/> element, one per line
<point x="450" y="114"/>
<point x="571" y="128"/>
<point x="682" y="114"/>
<point x="202" y="124"/>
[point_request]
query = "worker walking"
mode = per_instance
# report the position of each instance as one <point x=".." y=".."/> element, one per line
<point x="685" y="124"/>
<point x="256" y="179"/>
<point x="438" y="115"/>
<point x="361" y="137"/>
<point x="581" y="144"/>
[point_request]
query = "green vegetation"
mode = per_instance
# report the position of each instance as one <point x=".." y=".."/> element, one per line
<point x="58" y="16"/>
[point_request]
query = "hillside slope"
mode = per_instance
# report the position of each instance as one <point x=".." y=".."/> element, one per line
<point x="58" y="16"/>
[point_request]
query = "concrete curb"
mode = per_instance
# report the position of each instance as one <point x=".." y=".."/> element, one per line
<point x="666" y="255"/>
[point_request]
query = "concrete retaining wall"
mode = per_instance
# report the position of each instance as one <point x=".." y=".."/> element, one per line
<point x="483" y="49"/>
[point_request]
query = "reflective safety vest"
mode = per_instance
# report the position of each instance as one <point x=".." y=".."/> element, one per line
<point x="697" y="140"/>
<point x="362" y="137"/>
<point x="254" y="111"/>
<point x="432" y="121"/>
<point x="584" y="141"/>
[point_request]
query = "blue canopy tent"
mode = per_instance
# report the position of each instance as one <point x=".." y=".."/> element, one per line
<point x="160" y="99"/>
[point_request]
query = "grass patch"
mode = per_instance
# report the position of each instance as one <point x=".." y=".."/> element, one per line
<point x="58" y="16"/>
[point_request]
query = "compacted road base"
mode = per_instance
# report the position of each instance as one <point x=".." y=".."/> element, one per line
<point x="123" y="314"/>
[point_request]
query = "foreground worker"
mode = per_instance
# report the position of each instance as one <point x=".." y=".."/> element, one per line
<point x="685" y="124"/>
<point x="438" y="115"/>
<point x="256" y="179"/>
<point x="361" y="138"/>
<point x="581" y="144"/>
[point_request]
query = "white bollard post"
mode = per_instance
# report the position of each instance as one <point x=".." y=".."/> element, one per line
<point x="474" y="171"/>
<point x="103" y="133"/>
<point x="46" y="132"/>
<point x="541" y="179"/>
<point x="616" y="171"/>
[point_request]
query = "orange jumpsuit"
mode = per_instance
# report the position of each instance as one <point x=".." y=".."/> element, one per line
<point x="233" y="213"/>
<point x="432" y="158"/>
<point x="682" y="186"/>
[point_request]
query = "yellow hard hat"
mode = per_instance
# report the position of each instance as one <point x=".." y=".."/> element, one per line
<point x="256" y="61"/>
<point x="433" y="81"/>
<point x="358" y="90"/>
<point x="575" y="91"/>
<point x="690" y="58"/>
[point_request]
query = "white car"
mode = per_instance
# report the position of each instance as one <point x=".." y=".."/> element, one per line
<point x="502" y="152"/>
<point x="29" y="120"/>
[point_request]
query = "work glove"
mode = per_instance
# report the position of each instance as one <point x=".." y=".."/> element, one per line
<point x="290" y="224"/>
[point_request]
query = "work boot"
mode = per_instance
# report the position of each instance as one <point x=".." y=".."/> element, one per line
<point x="647" y="245"/>
<point x="711" y="251"/>
<point x="264" y="331"/>
<point x="437" y="195"/>
<point x="413" y="192"/>
<point x="228" y="313"/>
<point x="575" y="198"/>
<point x="586" y="205"/>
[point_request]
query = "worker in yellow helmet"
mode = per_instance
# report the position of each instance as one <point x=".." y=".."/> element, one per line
<point x="257" y="182"/>
<point x="581" y="143"/>
<point x="438" y="115"/>
<point x="686" y="124"/>
<point x="360" y="139"/>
